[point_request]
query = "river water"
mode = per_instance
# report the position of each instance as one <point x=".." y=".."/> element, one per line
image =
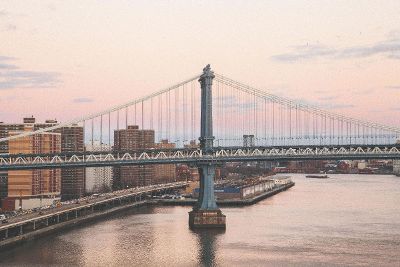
<point x="344" y="220"/>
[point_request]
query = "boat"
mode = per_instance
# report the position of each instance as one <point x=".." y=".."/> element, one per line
<point x="318" y="176"/>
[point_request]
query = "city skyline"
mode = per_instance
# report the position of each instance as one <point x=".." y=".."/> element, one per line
<point x="54" y="60"/>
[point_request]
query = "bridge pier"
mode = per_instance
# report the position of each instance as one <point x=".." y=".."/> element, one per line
<point x="206" y="214"/>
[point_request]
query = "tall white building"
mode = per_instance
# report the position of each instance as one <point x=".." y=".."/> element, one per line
<point x="98" y="179"/>
<point x="396" y="167"/>
<point x="396" y="164"/>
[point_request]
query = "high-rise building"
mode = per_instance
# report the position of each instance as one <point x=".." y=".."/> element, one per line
<point x="3" y="186"/>
<point x="28" y="186"/>
<point x="72" y="179"/>
<point x="248" y="140"/>
<point x="133" y="139"/>
<point x="396" y="167"/>
<point x="396" y="164"/>
<point x="185" y="172"/>
<point x="98" y="179"/>
<point x="72" y="140"/>
<point x="164" y="173"/>
<point x="33" y="188"/>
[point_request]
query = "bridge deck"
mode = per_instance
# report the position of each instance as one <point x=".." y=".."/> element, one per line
<point x="90" y="203"/>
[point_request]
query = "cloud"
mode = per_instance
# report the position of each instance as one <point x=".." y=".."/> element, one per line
<point x="337" y="106"/>
<point x="233" y="102"/>
<point x="394" y="56"/>
<point x="389" y="48"/>
<point x="305" y="52"/>
<point x="328" y="98"/>
<point x="51" y="7"/>
<point x="7" y="66"/>
<point x="362" y="92"/>
<point x="395" y="87"/>
<point x="320" y="91"/>
<point x="11" y="27"/>
<point x="82" y="100"/>
<point x="6" y="58"/>
<point x="11" y="76"/>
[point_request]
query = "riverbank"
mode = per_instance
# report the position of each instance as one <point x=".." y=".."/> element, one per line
<point x="18" y="233"/>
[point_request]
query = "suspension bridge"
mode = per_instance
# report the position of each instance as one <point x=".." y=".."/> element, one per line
<point x="233" y="122"/>
<point x="248" y="124"/>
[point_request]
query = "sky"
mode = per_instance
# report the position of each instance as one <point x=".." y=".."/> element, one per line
<point x="67" y="59"/>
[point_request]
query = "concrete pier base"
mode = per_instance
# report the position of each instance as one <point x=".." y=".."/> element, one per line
<point x="206" y="219"/>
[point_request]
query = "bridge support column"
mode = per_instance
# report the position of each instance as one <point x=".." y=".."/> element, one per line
<point x="206" y="214"/>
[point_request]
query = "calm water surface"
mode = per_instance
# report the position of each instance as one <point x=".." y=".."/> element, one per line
<point x="344" y="220"/>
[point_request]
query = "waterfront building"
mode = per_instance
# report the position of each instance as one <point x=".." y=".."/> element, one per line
<point x="396" y="164"/>
<point x="282" y="180"/>
<point x="164" y="173"/>
<point x="28" y="189"/>
<point x="3" y="186"/>
<point x="133" y="139"/>
<point x="396" y="167"/>
<point x="185" y="172"/>
<point x="72" y="180"/>
<point x="248" y="140"/>
<point x="98" y="179"/>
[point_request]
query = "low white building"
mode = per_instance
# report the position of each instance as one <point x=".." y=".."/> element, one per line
<point x="98" y="179"/>
<point x="396" y="167"/>
<point x="396" y="164"/>
<point x="281" y="180"/>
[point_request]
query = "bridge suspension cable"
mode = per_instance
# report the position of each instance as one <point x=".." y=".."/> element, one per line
<point x="97" y="118"/>
<point x="243" y="116"/>
<point x="288" y="122"/>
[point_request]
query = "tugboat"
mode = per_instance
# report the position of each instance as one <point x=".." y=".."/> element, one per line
<point x="318" y="176"/>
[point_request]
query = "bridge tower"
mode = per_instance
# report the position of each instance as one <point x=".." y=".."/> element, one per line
<point x="206" y="214"/>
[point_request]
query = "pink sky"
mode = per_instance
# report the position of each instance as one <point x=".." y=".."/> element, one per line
<point x="65" y="59"/>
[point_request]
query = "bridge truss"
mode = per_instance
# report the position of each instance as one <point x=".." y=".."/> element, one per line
<point x="193" y="156"/>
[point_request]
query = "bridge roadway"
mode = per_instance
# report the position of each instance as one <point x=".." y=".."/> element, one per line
<point x="193" y="156"/>
<point x="28" y="223"/>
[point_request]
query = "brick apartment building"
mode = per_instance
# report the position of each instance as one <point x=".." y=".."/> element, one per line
<point x="133" y="139"/>
<point x="72" y="179"/>
<point x="164" y="173"/>
<point x="29" y="188"/>
<point x="70" y="139"/>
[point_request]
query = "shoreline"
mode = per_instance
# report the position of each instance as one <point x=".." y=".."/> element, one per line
<point x="98" y="215"/>
<point x="226" y="202"/>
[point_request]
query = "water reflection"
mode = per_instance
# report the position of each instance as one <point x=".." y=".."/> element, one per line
<point x="207" y="242"/>
<point x="342" y="221"/>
